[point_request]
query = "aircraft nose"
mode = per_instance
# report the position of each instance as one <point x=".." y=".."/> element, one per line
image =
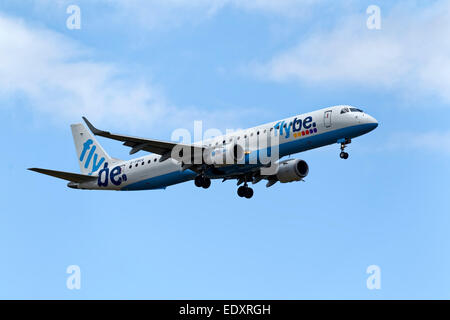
<point x="371" y="121"/>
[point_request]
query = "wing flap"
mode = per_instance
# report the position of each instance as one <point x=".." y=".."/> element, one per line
<point x="69" y="176"/>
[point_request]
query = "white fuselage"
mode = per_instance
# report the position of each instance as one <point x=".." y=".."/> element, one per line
<point x="296" y="134"/>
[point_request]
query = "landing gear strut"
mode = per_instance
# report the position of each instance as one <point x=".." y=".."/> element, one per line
<point x="202" y="181"/>
<point x="343" y="154"/>
<point x="245" y="191"/>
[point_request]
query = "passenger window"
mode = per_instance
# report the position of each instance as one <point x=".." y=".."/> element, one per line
<point x="136" y="165"/>
<point x="149" y="161"/>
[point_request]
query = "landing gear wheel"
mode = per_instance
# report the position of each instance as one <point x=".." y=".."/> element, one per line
<point x="198" y="181"/>
<point x="206" y="183"/>
<point x="248" y="193"/>
<point x="241" y="191"/>
<point x="201" y="181"/>
<point x="344" y="155"/>
<point x="245" y="192"/>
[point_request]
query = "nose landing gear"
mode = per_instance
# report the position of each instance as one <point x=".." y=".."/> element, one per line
<point x="343" y="154"/>
<point x="202" y="181"/>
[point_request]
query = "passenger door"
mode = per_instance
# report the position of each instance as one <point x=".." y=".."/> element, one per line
<point x="327" y="118"/>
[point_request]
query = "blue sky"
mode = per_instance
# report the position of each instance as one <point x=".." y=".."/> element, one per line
<point x="147" y="68"/>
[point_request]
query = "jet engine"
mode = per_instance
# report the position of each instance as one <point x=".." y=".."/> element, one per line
<point x="292" y="170"/>
<point x="226" y="155"/>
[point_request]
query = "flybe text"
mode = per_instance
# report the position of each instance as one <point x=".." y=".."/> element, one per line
<point x="114" y="175"/>
<point x="91" y="156"/>
<point x="296" y="125"/>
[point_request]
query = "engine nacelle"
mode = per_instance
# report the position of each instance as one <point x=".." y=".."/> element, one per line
<point x="292" y="170"/>
<point x="226" y="155"/>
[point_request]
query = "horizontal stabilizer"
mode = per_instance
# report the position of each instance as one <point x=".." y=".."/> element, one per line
<point x="69" y="176"/>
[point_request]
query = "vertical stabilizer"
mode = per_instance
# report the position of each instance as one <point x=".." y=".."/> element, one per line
<point x="91" y="156"/>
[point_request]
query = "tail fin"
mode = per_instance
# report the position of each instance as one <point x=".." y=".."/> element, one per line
<point x="91" y="155"/>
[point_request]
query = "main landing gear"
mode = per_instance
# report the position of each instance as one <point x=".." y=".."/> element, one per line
<point x="343" y="154"/>
<point x="202" y="181"/>
<point x="245" y="191"/>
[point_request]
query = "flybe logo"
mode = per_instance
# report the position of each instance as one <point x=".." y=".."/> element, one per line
<point x="298" y="127"/>
<point x="92" y="156"/>
<point x="105" y="175"/>
<point x="114" y="176"/>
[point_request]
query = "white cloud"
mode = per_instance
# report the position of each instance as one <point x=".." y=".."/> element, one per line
<point x="411" y="53"/>
<point x="164" y="14"/>
<point x="58" y="77"/>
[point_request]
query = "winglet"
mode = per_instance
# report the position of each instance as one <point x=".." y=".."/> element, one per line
<point x="94" y="129"/>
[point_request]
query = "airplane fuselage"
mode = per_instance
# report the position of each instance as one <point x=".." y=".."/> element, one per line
<point x="294" y="134"/>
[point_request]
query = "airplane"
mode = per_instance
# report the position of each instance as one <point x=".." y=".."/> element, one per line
<point x="235" y="156"/>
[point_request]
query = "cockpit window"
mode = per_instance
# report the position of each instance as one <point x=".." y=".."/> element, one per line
<point x="355" y="110"/>
<point x="344" y="110"/>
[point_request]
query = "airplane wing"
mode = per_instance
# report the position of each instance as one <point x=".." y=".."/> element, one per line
<point x="136" y="144"/>
<point x="69" y="176"/>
